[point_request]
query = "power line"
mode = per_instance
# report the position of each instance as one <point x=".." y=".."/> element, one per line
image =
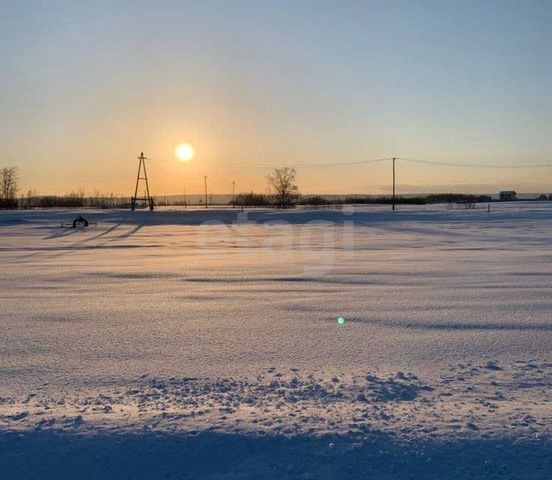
<point x="345" y="164"/>
<point x="475" y="165"/>
<point x="369" y="161"/>
<point x="315" y="165"/>
<point x="375" y="160"/>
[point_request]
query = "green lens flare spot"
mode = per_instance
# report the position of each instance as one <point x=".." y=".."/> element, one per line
<point x="340" y="320"/>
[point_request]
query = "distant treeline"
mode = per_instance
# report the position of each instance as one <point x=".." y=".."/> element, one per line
<point x="388" y="199"/>
<point x="253" y="199"/>
<point x="80" y="199"/>
<point x="359" y="200"/>
<point x="72" y="200"/>
<point x="258" y="199"/>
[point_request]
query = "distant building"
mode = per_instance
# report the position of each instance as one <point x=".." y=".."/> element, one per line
<point x="484" y="199"/>
<point x="508" y="195"/>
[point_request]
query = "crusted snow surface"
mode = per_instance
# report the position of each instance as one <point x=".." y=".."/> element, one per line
<point x="216" y="330"/>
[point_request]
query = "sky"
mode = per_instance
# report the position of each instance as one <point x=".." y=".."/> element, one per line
<point x="252" y="85"/>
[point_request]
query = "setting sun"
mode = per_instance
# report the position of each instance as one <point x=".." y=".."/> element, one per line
<point x="184" y="152"/>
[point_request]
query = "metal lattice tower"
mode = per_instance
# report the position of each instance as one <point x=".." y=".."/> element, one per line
<point x="147" y="198"/>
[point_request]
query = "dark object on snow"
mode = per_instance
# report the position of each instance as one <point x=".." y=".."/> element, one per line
<point x="80" y="220"/>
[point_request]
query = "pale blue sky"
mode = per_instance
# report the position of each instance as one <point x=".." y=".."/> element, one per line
<point x="86" y="85"/>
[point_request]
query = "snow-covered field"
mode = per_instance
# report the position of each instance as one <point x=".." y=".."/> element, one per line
<point x="205" y="343"/>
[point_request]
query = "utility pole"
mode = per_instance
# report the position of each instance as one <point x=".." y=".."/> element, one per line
<point x="233" y="194"/>
<point x="205" y="183"/>
<point x="147" y="197"/>
<point x="394" y="183"/>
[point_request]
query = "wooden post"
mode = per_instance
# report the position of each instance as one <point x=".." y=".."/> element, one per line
<point x="394" y="183"/>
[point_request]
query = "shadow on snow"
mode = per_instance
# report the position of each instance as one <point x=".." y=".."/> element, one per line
<point x="49" y="454"/>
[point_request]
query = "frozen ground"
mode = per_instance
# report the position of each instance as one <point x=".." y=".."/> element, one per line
<point x="203" y="344"/>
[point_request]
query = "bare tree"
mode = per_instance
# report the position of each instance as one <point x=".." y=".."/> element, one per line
<point x="282" y="183"/>
<point x="29" y="199"/>
<point x="8" y="187"/>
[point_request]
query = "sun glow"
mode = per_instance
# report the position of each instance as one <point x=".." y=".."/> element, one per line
<point x="184" y="152"/>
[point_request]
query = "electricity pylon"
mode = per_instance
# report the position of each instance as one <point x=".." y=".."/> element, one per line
<point x="147" y="198"/>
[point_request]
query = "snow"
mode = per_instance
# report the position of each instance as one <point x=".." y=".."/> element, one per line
<point x="205" y="343"/>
